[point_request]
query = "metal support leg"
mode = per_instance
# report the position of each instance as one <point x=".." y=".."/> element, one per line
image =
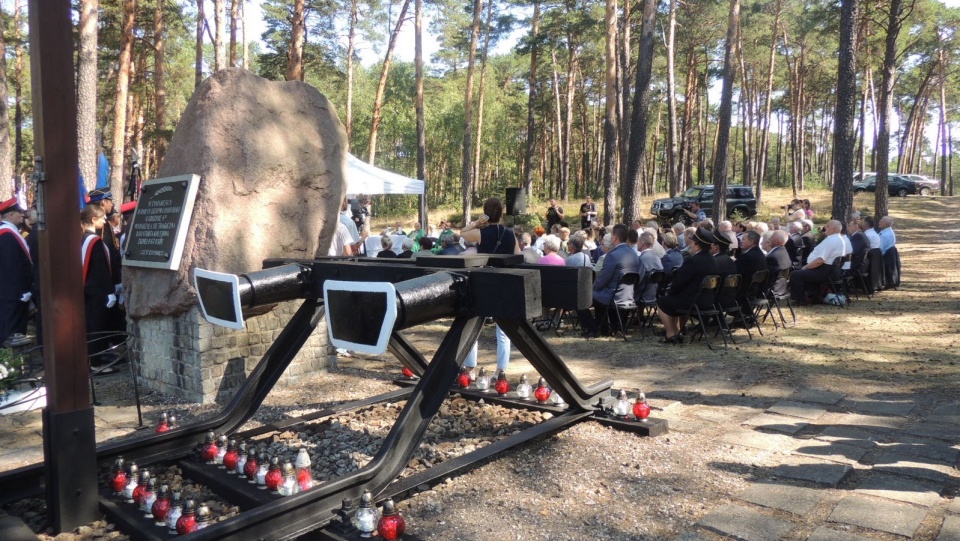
<point x="546" y="361"/>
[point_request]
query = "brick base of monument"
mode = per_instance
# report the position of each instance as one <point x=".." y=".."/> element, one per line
<point x="188" y="357"/>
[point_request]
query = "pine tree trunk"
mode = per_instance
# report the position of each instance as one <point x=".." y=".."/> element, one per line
<point x="234" y="18"/>
<point x="297" y="36"/>
<point x="220" y="35"/>
<point x="351" y="36"/>
<point x="120" y="105"/>
<point x="640" y="115"/>
<point x="198" y="57"/>
<point x="18" y="90"/>
<point x="418" y="104"/>
<point x="724" y="115"/>
<point x="765" y="132"/>
<point x="468" y="112"/>
<point x="672" y="176"/>
<point x="531" y="101"/>
<point x="558" y="125"/>
<point x="568" y="120"/>
<point x="86" y="93"/>
<point x="483" y="85"/>
<point x="623" y="83"/>
<point x="886" y="108"/>
<point x="943" y="121"/>
<point x="382" y="84"/>
<point x="160" y="85"/>
<point x="844" y="137"/>
<point x="610" y="105"/>
<point x="243" y="34"/>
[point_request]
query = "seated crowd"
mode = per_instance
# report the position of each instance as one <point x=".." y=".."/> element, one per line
<point x="800" y="260"/>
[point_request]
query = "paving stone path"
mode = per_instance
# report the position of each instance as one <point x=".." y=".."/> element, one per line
<point x="847" y="470"/>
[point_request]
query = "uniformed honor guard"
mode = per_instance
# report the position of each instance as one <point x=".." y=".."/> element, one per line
<point x="103" y="198"/>
<point x="16" y="271"/>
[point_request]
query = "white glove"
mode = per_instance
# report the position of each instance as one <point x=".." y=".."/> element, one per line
<point x="111" y="300"/>
<point x="26" y="297"/>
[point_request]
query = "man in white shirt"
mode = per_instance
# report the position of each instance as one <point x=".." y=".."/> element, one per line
<point x="819" y="263"/>
<point x="342" y="243"/>
<point x="356" y="239"/>
<point x="867" y="224"/>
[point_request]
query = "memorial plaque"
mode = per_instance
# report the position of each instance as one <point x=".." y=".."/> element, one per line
<point x="159" y="227"/>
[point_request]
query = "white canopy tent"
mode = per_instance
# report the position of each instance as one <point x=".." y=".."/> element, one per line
<point x="363" y="178"/>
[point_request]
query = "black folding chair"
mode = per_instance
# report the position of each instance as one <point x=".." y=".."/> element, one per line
<point x="731" y="308"/>
<point x="756" y="297"/>
<point x="778" y="298"/>
<point x="836" y="283"/>
<point x="709" y="285"/>
<point x="624" y="310"/>
<point x="648" y="303"/>
<point x="855" y="277"/>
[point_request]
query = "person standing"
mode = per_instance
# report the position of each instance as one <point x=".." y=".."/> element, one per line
<point x="554" y="214"/>
<point x="98" y="290"/>
<point x="16" y="272"/>
<point x="588" y="213"/>
<point x="492" y="238"/>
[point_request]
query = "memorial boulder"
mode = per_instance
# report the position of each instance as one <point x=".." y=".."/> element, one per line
<point x="271" y="157"/>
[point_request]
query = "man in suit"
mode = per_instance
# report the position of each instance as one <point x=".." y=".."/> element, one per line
<point x="778" y="259"/>
<point x="607" y="288"/>
<point x="649" y="263"/>
<point x="750" y="261"/>
<point x="794" y="244"/>
<point x="16" y="271"/>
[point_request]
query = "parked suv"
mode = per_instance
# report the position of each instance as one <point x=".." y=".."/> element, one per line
<point x="740" y="200"/>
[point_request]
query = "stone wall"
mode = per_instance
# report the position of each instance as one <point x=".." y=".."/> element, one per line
<point x="188" y="357"/>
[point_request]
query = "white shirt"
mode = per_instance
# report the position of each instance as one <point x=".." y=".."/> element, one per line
<point x="341" y="238"/>
<point x="873" y="237"/>
<point x="848" y="246"/>
<point x="347" y="220"/>
<point x="831" y="248"/>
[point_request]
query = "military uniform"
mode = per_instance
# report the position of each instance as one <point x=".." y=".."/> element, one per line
<point x="16" y="274"/>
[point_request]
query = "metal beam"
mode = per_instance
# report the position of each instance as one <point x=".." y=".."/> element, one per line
<point x="69" y="443"/>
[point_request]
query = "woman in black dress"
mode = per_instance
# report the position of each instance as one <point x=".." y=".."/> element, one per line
<point x="685" y="287"/>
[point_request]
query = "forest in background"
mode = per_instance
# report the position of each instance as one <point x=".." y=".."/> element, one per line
<point x="617" y="101"/>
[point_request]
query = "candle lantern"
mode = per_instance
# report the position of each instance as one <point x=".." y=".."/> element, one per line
<point x="187" y="522"/>
<point x="502" y="386"/>
<point x="209" y="450"/>
<point x="483" y="382"/>
<point x="367" y="515"/>
<point x="391" y="525"/>
<point x="221" y="452"/>
<point x="641" y="409"/>
<point x="241" y="458"/>
<point x="274" y="476"/>
<point x="203" y="516"/>
<point x="118" y="480"/>
<point x="176" y="510"/>
<point x="161" y="506"/>
<point x="523" y="388"/>
<point x="230" y="457"/>
<point x="164" y="424"/>
<point x="132" y="482"/>
<point x="621" y="408"/>
<point x="304" y="475"/>
<point x="542" y="392"/>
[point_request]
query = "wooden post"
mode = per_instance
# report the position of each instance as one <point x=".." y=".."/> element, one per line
<point x="69" y="438"/>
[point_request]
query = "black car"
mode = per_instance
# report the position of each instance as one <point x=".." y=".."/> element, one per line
<point x="740" y="201"/>
<point x="896" y="185"/>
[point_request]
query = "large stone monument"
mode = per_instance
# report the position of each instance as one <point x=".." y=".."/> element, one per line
<point x="272" y="160"/>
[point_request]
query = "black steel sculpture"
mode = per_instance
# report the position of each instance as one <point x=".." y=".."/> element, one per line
<point x="430" y="289"/>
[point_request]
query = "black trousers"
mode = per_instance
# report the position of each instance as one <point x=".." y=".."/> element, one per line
<point x="805" y="280"/>
<point x="13" y="318"/>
